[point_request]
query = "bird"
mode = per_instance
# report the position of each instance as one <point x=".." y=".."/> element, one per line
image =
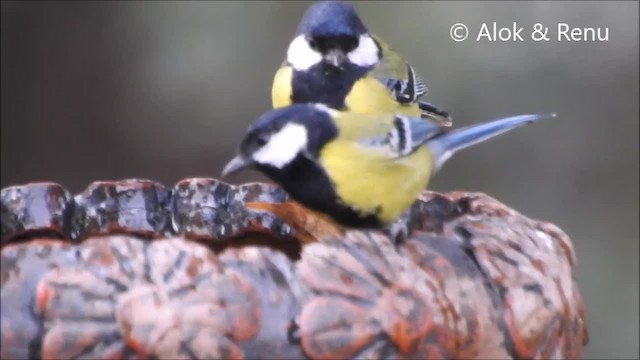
<point x="360" y="170"/>
<point x="334" y="60"/>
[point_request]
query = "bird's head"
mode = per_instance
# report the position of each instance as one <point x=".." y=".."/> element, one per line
<point x="331" y="32"/>
<point x="280" y="136"/>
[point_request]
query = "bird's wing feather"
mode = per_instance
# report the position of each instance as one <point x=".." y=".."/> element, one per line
<point x="395" y="136"/>
<point x="408" y="134"/>
<point x="429" y="111"/>
<point x="442" y="147"/>
<point x="402" y="81"/>
<point x="404" y="84"/>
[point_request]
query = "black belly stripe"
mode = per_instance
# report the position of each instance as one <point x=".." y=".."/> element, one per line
<point x="325" y="84"/>
<point x="308" y="184"/>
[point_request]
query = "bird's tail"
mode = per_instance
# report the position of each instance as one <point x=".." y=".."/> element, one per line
<point x="447" y="144"/>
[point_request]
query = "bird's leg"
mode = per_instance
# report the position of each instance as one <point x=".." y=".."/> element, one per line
<point x="399" y="230"/>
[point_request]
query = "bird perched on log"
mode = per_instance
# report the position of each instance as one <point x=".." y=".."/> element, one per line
<point x="334" y="60"/>
<point x="362" y="170"/>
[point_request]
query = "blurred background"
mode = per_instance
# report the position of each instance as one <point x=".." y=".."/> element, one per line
<point x="164" y="90"/>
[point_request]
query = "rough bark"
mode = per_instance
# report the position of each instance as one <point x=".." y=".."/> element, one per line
<point x="133" y="269"/>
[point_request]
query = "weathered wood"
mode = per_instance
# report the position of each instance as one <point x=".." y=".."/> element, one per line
<point x="191" y="272"/>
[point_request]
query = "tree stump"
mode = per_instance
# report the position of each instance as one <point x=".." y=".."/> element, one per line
<point x="133" y="269"/>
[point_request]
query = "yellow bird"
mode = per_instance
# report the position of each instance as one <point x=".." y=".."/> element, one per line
<point x="362" y="170"/>
<point x="334" y="60"/>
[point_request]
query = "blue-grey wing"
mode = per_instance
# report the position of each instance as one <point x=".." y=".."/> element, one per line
<point x="408" y="134"/>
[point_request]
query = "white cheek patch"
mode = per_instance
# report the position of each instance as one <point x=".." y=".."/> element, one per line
<point x="300" y="54"/>
<point x="366" y="54"/>
<point x="283" y="146"/>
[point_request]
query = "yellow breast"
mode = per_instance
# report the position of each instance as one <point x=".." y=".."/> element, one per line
<point x="281" y="88"/>
<point x="368" y="95"/>
<point x="369" y="180"/>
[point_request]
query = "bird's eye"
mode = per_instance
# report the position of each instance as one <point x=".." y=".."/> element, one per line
<point x="262" y="140"/>
<point x="313" y="43"/>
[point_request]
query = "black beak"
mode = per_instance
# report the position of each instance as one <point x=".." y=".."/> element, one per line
<point x="236" y="164"/>
<point x="336" y="58"/>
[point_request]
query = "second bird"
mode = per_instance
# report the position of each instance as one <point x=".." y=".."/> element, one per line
<point x="334" y="60"/>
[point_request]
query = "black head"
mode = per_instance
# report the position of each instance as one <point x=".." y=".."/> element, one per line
<point x="329" y="19"/>
<point x="280" y="136"/>
<point x="332" y="32"/>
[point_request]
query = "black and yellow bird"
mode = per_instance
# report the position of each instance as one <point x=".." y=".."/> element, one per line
<point x="334" y="60"/>
<point x="362" y="170"/>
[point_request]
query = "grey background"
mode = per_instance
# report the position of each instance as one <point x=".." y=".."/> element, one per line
<point x="162" y="90"/>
